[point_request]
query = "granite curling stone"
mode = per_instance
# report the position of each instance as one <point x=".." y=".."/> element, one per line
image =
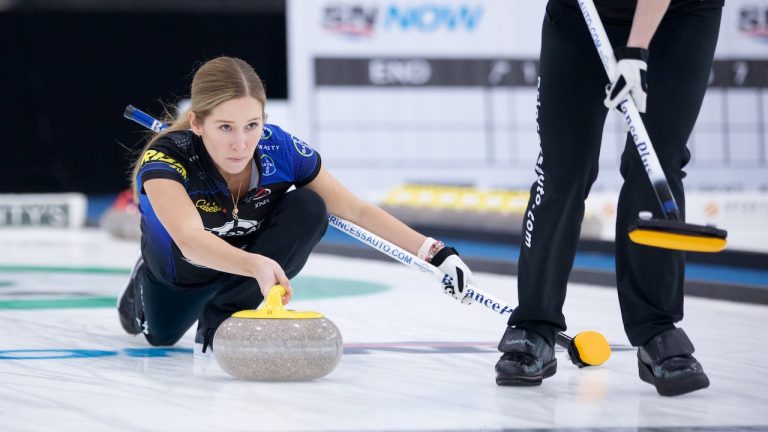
<point x="275" y="344"/>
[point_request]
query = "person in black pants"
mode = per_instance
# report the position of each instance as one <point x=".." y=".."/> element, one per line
<point x="220" y="222"/>
<point x="665" y="51"/>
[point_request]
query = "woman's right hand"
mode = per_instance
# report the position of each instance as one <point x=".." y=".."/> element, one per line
<point x="268" y="273"/>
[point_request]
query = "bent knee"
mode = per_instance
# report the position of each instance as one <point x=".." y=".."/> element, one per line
<point x="162" y="340"/>
<point x="312" y="205"/>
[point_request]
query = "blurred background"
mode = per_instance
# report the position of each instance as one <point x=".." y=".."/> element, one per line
<point x="69" y="68"/>
<point x="425" y="107"/>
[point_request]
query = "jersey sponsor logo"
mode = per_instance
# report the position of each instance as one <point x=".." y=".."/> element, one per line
<point x="183" y="142"/>
<point x="260" y="193"/>
<point x="207" y="207"/>
<point x="302" y="147"/>
<point x="266" y="133"/>
<point x="157" y="156"/>
<point x="234" y="228"/>
<point x="269" y="147"/>
<point x="268" y="166"/>
<point x="261" y="203"/>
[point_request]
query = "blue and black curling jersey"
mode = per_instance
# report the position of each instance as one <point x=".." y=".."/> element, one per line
<point x="280" y="161"/>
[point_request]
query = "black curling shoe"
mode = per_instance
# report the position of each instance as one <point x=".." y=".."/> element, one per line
<point x="666" y="362"/>
<point x="527" y="358"/>
<point x="129" y="303"/>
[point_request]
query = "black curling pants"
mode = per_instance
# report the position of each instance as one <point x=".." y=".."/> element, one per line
<point x="287" y="236"/>
<point x="571" y="115"/>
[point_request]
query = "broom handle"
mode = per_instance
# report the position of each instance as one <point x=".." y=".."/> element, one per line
<point x="631" y="115"/>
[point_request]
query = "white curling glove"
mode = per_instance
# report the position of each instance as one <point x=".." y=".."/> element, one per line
<point x="631" y="78"/>
<point x="457" y="275"/>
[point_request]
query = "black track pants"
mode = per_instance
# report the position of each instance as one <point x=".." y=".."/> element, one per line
<point x="288" y="236"/>
<point x="570" y="119"/>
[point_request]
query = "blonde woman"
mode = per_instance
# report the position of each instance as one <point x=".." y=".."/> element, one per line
<point x="219" y="225"/>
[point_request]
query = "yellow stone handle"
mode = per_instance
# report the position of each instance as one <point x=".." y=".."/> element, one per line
<point x="273" y="308"/>
<point x="274" y="302"/>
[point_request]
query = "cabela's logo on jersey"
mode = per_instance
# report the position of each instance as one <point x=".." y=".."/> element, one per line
<point x="268" y="166"/>
<point x="234" y="228"/>
<point x="267" y="133"/>
<point x="155" y="156"/>
<point x="207" y="207"/>
<point x="260" y="193"/>
<point x="302" y="147"/>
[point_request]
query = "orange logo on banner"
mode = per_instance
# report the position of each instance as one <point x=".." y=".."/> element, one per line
<point x="712" y="209"/>
<point x="609" y="210"/>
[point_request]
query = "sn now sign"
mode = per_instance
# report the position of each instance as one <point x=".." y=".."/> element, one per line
<point x="432" y="17"/>
<point x="363" y="20"/>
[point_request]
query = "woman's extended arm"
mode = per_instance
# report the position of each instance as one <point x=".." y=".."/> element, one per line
<point x="343" y="203"/>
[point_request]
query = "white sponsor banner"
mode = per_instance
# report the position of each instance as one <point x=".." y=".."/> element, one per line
<point x="454" y="27"/>
<point x="743" y="214"/>
<point x="65" y="210"/>
<point x="364" y="28"/>
<point x="396" y="91"/>
<point x="743" y="30"/>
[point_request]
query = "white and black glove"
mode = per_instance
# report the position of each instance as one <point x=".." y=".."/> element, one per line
<point x="631" y="78"/>
<point x="457" y="275"/>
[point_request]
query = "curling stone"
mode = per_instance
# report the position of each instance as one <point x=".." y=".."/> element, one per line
<point x="272" y="343"/>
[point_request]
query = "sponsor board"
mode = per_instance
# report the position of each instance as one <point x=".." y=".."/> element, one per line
<point x="398" y="66"/>
<point x="43" y="210"/>
<point x="743" y="214"/>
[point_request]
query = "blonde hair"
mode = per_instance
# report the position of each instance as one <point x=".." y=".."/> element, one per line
<point x="215" y="82"/>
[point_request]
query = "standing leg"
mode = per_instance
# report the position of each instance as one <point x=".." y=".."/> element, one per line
<point x="570" y="123"/>
<point x="650" y="280"/>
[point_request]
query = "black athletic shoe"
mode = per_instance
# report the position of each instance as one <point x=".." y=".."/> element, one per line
<point x="527" y="358"/>
<point x="129" y="303"/>
<point x="666" y="362"/>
